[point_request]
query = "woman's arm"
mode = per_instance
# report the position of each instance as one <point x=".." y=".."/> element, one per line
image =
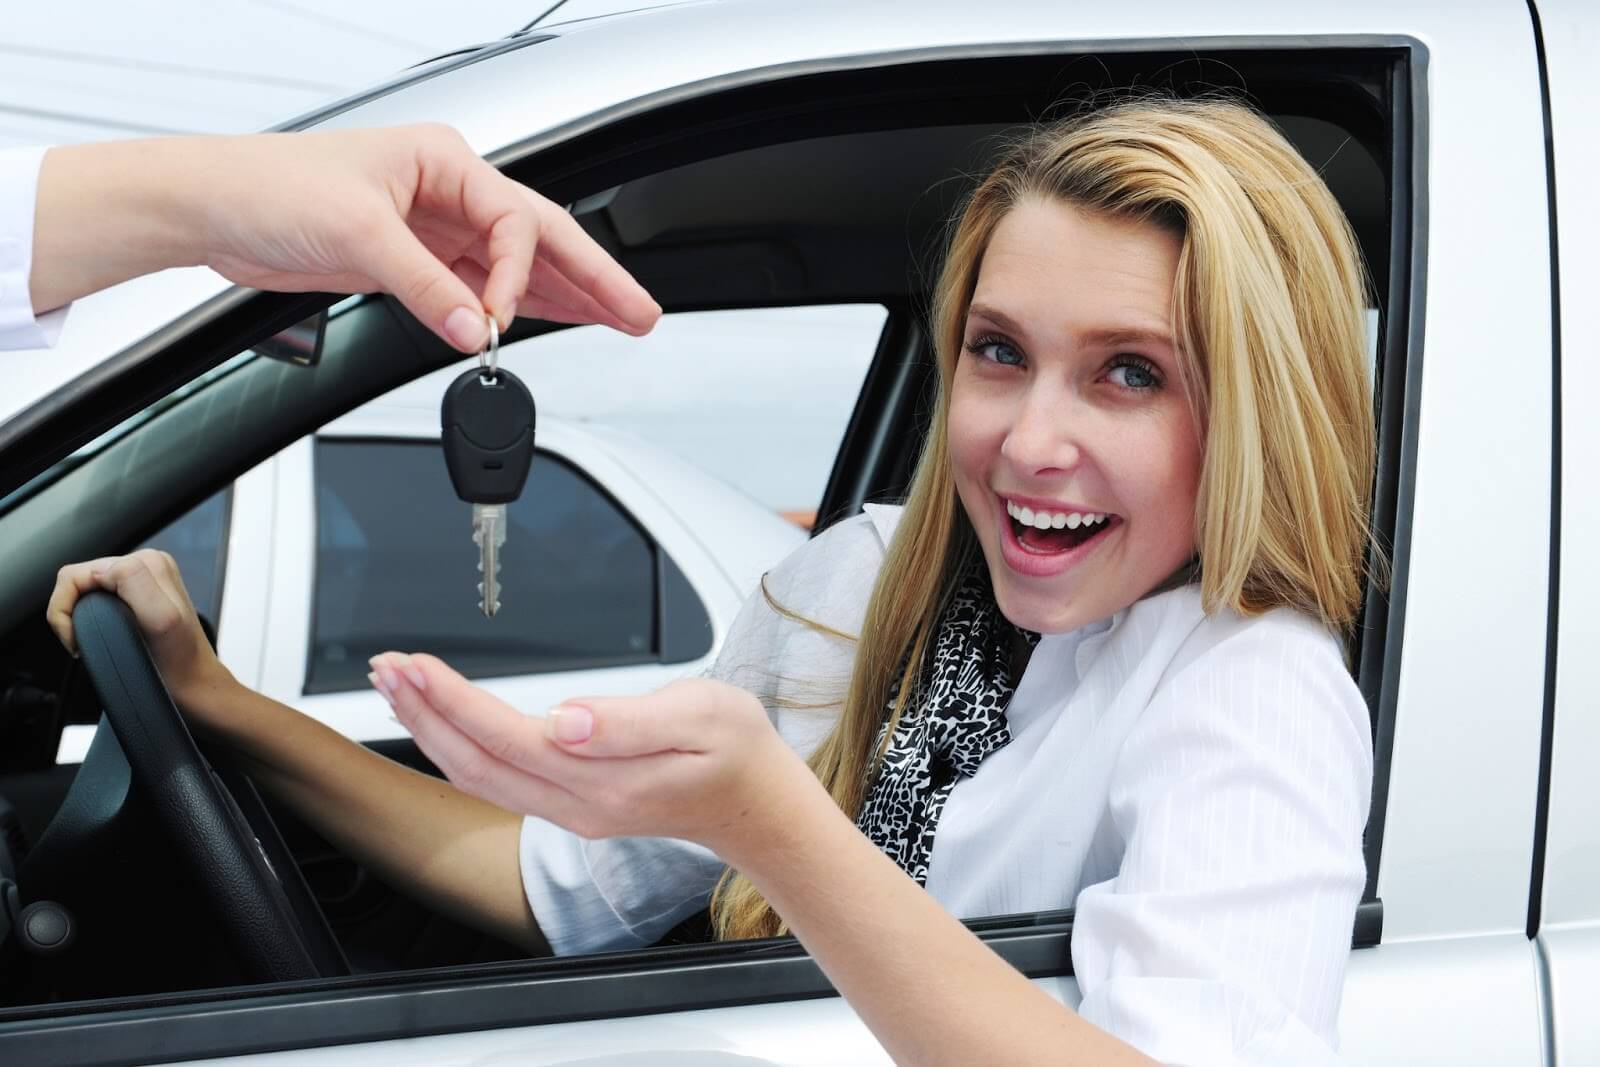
<point x="930" y="991"/>
<point x="699" y="760"/>
<point x="455" y="853"/>
<point x="408" y="210"/>
<point x="452" y="852"/>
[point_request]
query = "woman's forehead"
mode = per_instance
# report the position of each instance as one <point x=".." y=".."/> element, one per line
<point x="1054" y="268"/>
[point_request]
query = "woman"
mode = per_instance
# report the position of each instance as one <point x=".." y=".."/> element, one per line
<point x="1094" y="661"/>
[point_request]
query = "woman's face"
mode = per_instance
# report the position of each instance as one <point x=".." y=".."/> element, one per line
<point x="1074" y="449"/>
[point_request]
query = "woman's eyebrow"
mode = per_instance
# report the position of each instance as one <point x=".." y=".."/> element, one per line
<point x="998" y="318"/>
<point x="1124" y="336"/>
<point x="1102" y="338"/>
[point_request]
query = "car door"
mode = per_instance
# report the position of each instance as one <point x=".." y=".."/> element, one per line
<point x="1564" y="916"/>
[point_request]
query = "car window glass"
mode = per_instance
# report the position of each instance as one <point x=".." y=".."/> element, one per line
<point x="198" y="542"/>
<point x="395" y="570"/>
<point x="781" y="382"/>
<point x="756" y="397"/>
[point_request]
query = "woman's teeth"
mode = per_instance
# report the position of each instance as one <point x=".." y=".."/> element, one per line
<point x="1053" y="520"/>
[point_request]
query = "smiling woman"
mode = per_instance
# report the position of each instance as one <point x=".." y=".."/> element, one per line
<point x="1095" y="659"/>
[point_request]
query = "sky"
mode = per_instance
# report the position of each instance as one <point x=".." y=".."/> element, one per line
<point x="80" y="70"/>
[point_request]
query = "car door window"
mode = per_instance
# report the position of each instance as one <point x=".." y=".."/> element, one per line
<point x="395" y="570"/>
<point x="198" y="542"/>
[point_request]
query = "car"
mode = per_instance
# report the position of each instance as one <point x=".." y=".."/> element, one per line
<point x="614" y="542"/>
<point x="751" y="155"/>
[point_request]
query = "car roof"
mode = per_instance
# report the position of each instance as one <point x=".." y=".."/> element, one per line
<point x="518" y="94"/>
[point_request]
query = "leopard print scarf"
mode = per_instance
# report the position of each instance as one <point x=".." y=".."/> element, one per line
<point x="956" y="717"/>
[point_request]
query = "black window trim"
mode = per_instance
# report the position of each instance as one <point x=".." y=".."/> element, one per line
<point x="525" y="993"/>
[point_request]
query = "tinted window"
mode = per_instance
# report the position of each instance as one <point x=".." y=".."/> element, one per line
<point x="397" y="569"/>
<point x="198" y="541"/>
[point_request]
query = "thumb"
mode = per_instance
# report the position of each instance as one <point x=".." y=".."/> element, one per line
<point x="400" y="264"/>
<point x="682" y="717"/>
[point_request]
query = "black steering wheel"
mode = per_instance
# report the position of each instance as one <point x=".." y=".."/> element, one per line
<point x="277" y="932"/>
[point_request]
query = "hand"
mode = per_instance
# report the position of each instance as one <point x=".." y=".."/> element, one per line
<point x="408" y="210"/>
<point x="148" y="581"/>
<point x="697" y="760"/>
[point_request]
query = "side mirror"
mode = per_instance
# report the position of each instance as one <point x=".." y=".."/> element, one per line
<point x="300" y="344"/>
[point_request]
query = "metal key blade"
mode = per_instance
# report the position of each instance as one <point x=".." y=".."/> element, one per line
<point x="489" y="534"/>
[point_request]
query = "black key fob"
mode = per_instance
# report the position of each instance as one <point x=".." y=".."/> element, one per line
<point x="486" y="430"/>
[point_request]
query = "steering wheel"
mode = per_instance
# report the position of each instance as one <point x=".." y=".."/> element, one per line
<point x="276" y="930"/>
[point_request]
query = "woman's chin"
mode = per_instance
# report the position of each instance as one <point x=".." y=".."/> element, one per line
<point x="1029" y="610"/>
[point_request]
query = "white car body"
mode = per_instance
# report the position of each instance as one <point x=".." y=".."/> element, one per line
<point x="720" y="539"/>
<point x="1490" y="869"/>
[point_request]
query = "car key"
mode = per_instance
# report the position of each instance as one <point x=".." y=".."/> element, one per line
<point x="486" y="428"/>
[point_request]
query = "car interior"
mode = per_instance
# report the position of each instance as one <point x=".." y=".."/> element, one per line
<point x="830" y="186"/>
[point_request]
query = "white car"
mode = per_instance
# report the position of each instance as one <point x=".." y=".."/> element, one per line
<point x="624" y="565"/>
<point x="769" y="155"/>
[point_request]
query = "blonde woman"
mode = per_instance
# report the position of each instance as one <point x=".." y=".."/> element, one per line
<point x="1094" y="661"/>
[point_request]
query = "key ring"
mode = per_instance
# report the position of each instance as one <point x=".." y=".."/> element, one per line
<point x="489" y="358"/>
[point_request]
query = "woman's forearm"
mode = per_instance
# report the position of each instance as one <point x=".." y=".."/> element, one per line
<point x="929" y="990"/>
<point x="454" y="852"/>
<point x="109" y="212"/>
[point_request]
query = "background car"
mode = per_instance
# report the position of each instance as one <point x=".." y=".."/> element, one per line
<point x="626" y="561"/>
<point x="747" y="155"/>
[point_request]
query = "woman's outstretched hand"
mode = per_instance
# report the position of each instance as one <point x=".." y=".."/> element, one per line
<point x="408" y="210"/>
<point x="697" y="759"/>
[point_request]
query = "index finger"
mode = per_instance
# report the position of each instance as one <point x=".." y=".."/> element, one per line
<point x="569" y="249"/>
<point x="72" y="581"/>
<point x="498" y="728"/>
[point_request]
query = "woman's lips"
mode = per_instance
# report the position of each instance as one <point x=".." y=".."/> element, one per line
<point x="1033" y="563"/>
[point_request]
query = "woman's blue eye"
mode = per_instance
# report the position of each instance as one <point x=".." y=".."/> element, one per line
<point x="1134" y="373"/>
<point x="995" y="350"/>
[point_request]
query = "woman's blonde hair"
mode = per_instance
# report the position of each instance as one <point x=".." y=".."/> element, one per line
<point x="1269" y="317"/>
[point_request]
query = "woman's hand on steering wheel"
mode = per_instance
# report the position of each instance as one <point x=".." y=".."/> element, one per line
<point x="149" y="583"/>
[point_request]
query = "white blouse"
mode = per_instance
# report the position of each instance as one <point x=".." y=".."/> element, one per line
<point x="1195" y="786"/>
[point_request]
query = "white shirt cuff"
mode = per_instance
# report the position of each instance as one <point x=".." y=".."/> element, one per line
<point x="19" y="191"/>
<point x="613" y="893"/>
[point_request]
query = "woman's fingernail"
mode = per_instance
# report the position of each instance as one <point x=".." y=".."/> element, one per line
<point x="386" y="676"/>
<point x="383" y="690"/>
<point x="570" y="724"/>
<point x="412" y="671"/>
<point x="466" y="328"/>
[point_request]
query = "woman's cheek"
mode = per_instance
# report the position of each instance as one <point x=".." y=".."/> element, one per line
<point x="963" y="436"/>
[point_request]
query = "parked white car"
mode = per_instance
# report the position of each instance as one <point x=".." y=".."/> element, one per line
<point x="624" y="567"/>
<point x="752" y="154"/>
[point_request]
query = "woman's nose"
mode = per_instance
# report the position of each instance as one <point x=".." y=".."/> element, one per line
<point x="1044" y="435"/>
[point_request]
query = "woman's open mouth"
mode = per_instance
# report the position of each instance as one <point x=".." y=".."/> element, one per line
<point x="1045" y="542"/>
